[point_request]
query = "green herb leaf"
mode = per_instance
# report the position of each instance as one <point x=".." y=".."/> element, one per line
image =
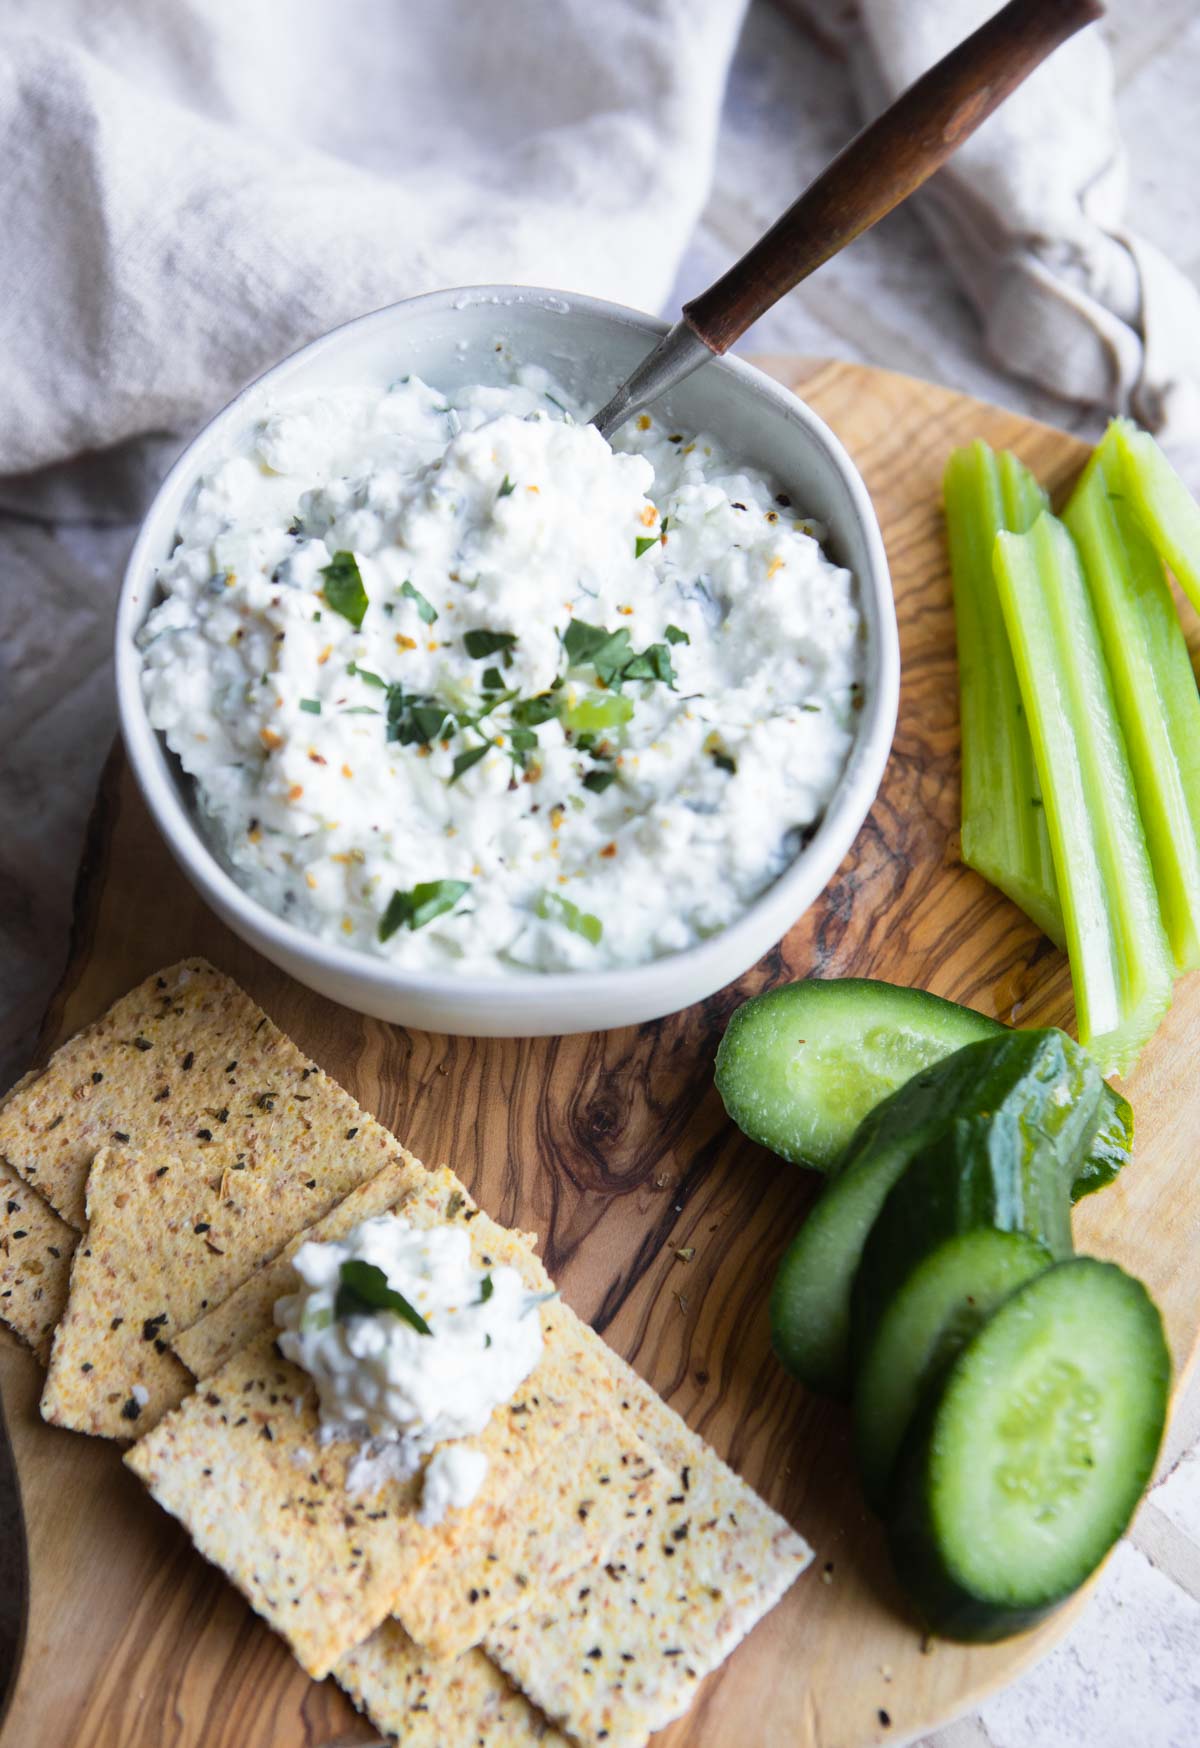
<point x="507" y="488"/>
<point x="654" y="663"/>
<point x="523" y="740"/>
<point x="723" y="762"/>
<point x="486" y="1289"/>
<point x="413" y="718"/>
<point x="344" y="590"/>
<point x="674" y="635"/>
<point x="493" y="680"/>
<point x="644" y="543"/>
<point x="472" y="756"/>
<point x="312" y="705"/>
<point x="553" y="907"/>
<point x="485" y="643"/>
<point x="557" y="404"/>
<point x="581" y="641"/>
<point x="319" y="1317"/>
<point x="599" y="781"/>
<point x="530" y="712"/>
<point x="432" y="898"/>
<point x="366" y="676"/>
<point x="363" y="1291"/>
<point x="359" y="710"/>
<point x="426" y="609"/>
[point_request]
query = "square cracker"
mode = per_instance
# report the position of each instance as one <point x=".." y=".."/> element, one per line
<point x="616" y="1654"/>
<point x="35" y="1262"/>
<point x="427" y="1704"/>
<point x="241" y="1466"/>
<point x="162" y="1242"/>
<point x="187" y="1064"/>
<point x="490" y="1568"/>
<point x="437" y="1197"/>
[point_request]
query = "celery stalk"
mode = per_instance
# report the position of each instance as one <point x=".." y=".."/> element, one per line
<point x="1120" y="961"/>
<point x="1162" y="503"/>
<point x="1157" y="702"/>
<point x="1004" y="835"/>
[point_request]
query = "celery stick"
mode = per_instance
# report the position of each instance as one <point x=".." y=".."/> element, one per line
<point x="1155" y="690"/>
<point x="1162" y="503"/>
<point x="1120" y="961"/>
<point x="1004" y="835"/>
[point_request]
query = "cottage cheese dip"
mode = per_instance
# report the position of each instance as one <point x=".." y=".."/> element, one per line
<point x="411" y="1348"/>
<point x="463" y="686"/>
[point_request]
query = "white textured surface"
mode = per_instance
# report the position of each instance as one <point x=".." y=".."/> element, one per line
<point x="1128" y="1675"/>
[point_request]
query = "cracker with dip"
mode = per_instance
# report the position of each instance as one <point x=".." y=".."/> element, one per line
<point x="419" y="1466"/>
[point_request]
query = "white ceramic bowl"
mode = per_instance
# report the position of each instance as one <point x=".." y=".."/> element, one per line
<point x="450" y="338"/>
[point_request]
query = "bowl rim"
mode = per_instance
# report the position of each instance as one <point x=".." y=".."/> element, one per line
<point x="740" y="940"/>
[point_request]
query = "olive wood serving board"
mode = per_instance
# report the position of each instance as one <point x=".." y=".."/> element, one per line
<point x="615" y="1148"/>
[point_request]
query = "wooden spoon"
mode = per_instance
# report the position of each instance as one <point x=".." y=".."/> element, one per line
<point x="880" y="167"/>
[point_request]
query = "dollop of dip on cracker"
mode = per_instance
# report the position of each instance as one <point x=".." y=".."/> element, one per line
<point x="411" y="1346"/>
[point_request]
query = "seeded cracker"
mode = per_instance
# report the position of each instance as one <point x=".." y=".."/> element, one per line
<point x="187" y="1064"/>
<point x="240" y="1465"/>
<point x="620" y="1652"/>
<point x="566" y="1515"/>
<point x="35" y="1262"/>
<point x="438" y="1198"/>
<point x="428" y="1704"/>
<point x="244" y="1143"/>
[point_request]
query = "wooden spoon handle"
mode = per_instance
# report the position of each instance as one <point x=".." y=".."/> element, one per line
<point x="885" y="161"/>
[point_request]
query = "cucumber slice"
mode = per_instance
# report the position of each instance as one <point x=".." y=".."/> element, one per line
<point x="932" y="1317"/>
<point x="1029" y="1467"/>
<point x="810" y="1302"/>
<point x="800" y="1066"/>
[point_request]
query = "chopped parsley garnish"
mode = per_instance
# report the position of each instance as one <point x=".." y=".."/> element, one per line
<point x="344" y="590"/>
<point x="363" y="1291"/>
<point x="674" y="635"/>
<point x="599" y="781"/>
<point x="485" y="643"/>
<point x="312" y="705"/>
<point x="522" y="741"/>
<point x="613" y="657"/>
<point x="722" y="761"/>
<point x="360" y="710"/>
<point x="643" y="544"/>
<point x="413" y="718"/>
<point x="486" y="1289"/>
<point x="425" y="608"/>
<point x="529" y="712"/>
<point x="553" y="907"/>
<point x="493" y="680"/>
<point x="472" y="756"/>
<point x="366" y="675"/>
<point x="507" y="488"/>
<point x="413" y="909"/>
<point x="557" y="404"/>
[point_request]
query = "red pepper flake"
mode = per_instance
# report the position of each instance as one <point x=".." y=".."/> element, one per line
<point x="609" y="850"/>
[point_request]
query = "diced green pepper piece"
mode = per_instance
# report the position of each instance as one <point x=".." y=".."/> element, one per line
<point x="1004" y="835"/>
<point x="588" y="712"/>
<point x="1162" y="503"/>
<point x="1120" y="960"/>
<point x="1157" y="702"/>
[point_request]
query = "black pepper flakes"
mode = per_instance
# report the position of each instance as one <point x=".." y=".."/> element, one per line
<point x="132" y="1409"/>
<point x="188" y="1061"/>
<point x="14" y="1207"/>
<point x="204" y="1134"/>
<point x="97" y="1077"/>
<point x="162" y="1171"/>
<point x="202" y="1226"/>
<point x="885" y="1719"/>
<point x="86" y="1366"/>
<point x="351" y="1133"/>
<point x="120" y="1135"/>
<point x="140" y="1043"/>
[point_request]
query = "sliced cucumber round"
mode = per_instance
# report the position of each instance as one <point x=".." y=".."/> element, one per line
<point x="927" y="1323"/>
<point x="1028" y="1468"/>
<point x="800" y="1066"/>
<point x="1039" y="1079"/>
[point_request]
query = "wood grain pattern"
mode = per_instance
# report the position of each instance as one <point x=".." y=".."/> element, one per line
<point x="615" y="1148"/>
